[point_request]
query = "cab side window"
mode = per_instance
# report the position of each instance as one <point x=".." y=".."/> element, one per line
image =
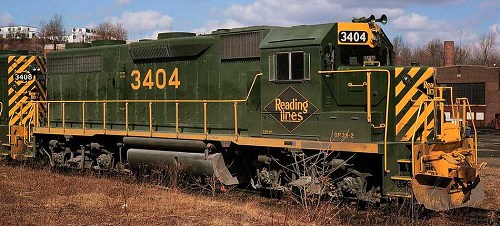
<point x="289" y="66"/>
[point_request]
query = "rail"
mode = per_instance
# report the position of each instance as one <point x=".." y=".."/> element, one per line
<point x="368" y="100"/>
<point x="127" y="122"/>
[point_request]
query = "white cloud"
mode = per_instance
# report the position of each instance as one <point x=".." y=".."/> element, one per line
<point x="293" y="12"/>
<point x="213" y="25"/>
<point x="141" y="23"/>
<point x="6" y="19"/>
<point x="495" y="28"/>
<point x="415" y="21"/>
<point x="416" y="28"/>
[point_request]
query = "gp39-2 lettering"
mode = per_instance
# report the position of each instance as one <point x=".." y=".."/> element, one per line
<point x="343" y="135"/>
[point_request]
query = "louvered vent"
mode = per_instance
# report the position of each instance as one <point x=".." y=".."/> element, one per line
<point x="150" y="52"/>
<point x="241" y="45"/>
<point x="75" y="64"/>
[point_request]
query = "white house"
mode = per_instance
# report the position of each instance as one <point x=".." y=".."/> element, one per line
<point x="81" y="35"/>
<point x="18" y="31"/>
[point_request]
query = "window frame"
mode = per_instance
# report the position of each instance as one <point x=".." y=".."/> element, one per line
<point x="273" y="67"/>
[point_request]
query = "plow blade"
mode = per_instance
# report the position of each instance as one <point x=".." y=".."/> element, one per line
<point x="200" y="164"/>
<point x="442" y="196"/>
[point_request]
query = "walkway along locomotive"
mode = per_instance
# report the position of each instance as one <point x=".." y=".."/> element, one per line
<point x="251" y="106"/>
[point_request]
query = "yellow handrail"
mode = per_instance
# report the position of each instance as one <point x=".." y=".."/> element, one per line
<point x="1" y="108"/>
<point x="150" y="110"/>
<point x="465" y="105"/>
<point x="368" y="109"/>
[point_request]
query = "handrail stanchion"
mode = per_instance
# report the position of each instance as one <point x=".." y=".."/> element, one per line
<point x="205" y="119"/>
<point x="177" y="119"/>
<point x="104" y="117"/>
<point x="126" y="117"/>
<point x="368" y="97"/>
<point x="236" y="119"/>
<point x="48" y="116"/>
<point x="63" y="117"/>
<point x="83" y="117"/>
<point x="150" y="118"/>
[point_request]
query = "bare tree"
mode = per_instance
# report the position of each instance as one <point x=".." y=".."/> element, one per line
<point x="53" y="30"/>
<point x="402" y="51"/>
<point x="110" y="31"/>
<point x="463" y="55"/>
<point x="434" y="53"/>
<point x="484" y="50"/>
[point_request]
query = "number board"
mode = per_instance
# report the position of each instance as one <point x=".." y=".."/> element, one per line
<point x="353" y="37"/>
<point x="23" y="77"/>
<point x="354" y="34"/>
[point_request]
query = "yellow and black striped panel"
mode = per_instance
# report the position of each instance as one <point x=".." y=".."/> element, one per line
<point x="26" y="83"/>
<point x="408" y="99"/>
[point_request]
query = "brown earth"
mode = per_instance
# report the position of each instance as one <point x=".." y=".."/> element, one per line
<point x="41" y="197"/>
<point x="30" y="196"/>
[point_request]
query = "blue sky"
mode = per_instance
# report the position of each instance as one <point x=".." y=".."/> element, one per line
<point x="415" y="20"/>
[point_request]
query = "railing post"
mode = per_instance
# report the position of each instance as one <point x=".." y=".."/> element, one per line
<point x="464" y="120"/>
<point x="205" y="131"/>
<point x="151" y="118"/>
<point x="83" y="117"/>
<point x="126" y="117"/>
<point x="235" y="119"/>
<point x="63" y="117"/>
<point x="48" y="116"/>
<point x="368" y="97"/>
<point x="21" y="113"/>
<point x="177" y="119"/>
<point x="37" y="123"/>
<point x="104" y="117"/>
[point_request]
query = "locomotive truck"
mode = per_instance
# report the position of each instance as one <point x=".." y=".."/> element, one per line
<point x="249" y="106"/>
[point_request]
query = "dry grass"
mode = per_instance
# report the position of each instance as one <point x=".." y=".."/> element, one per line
<point x="40" y="197"/>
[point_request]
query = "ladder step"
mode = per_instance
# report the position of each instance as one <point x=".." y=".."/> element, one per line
<point x="406" y="178"/>
<point x="399" y="194"/>
<point x="404" y="161"/>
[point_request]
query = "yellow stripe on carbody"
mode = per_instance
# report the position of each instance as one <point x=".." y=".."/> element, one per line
<point x="15" y="107"/>
<point x="21" y="91"/>
<point x="408" y="115"/>
<point x="31" y="113"/>
<point x="401" y="85"/>
<point x="407" y="97"/>
<point x="14" y="65"/>
<point x="421" y="119"/>
<point x="15" y="117"/>
<point x="26" y="64"/>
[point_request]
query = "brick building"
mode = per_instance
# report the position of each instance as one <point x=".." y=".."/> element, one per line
<point x="480" y="84"/>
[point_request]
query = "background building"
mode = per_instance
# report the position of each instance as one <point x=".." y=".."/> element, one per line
<point x="19" y="31"/>
<point x="480" y="84"/>
<point x="81" y="35"/>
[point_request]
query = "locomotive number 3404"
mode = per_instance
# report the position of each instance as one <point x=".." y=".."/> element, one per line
<point x="159" y="80"/>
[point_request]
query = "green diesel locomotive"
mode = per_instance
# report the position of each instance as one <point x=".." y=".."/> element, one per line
<point x="315" y="107"/>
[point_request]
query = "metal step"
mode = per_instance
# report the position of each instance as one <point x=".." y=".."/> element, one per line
<point x="407" y="161"/>
<point x="405" y="178"/>
<point x="400" y="194"/>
